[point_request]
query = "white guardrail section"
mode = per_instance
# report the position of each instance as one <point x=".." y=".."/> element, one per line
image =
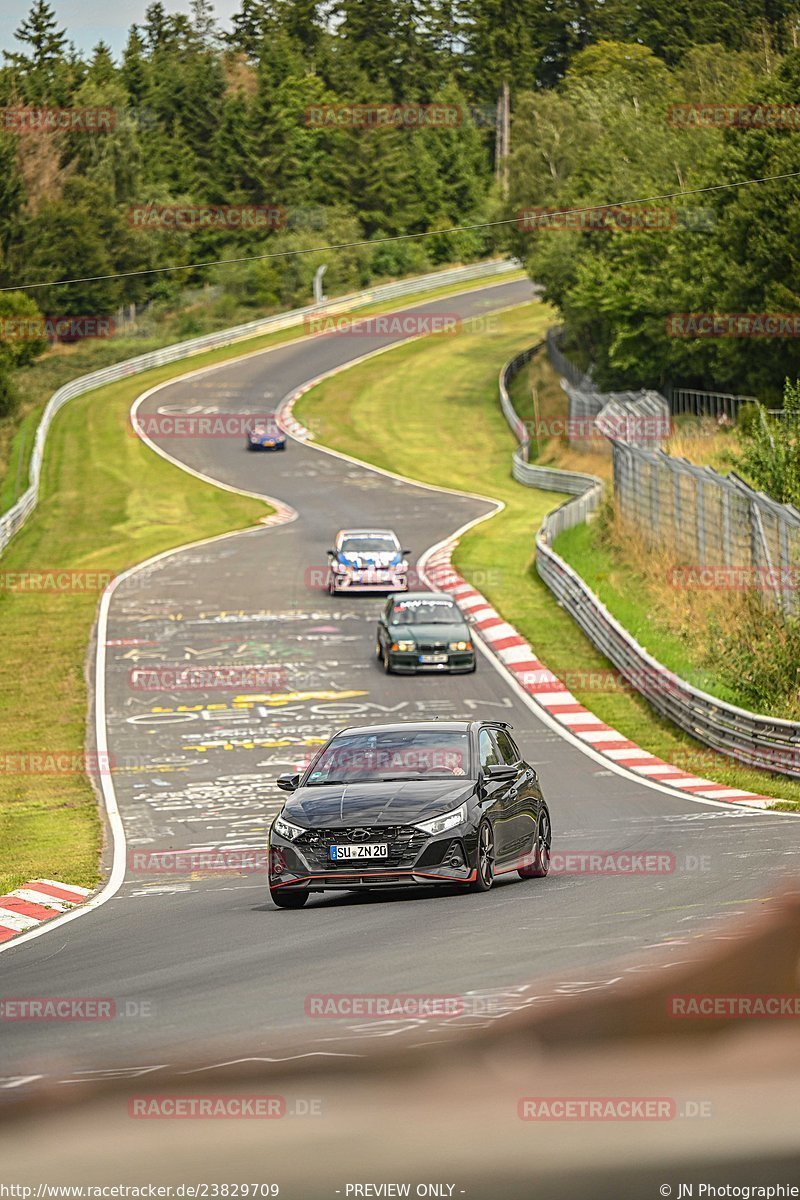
<point x="768" y="742"/>
<point x="12" y="520"/>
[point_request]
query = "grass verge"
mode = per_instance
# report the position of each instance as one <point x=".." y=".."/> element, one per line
<point x="384" y="410"/>
<point x="37" y="383"/>
<point x="131" y="505"/>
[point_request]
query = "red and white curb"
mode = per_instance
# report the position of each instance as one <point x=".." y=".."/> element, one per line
<point x="547" y="690"/>
<point x="283" y="514"/>
<point x="35" y="902"/>
<point x="287" y="420"/>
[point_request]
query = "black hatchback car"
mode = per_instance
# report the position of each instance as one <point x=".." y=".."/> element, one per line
<point x="424" y="631"/>
<point x="433" y="802"/>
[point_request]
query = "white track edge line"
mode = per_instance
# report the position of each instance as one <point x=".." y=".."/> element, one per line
<point x="113" y="817"/>
<point x="499" y="505"/>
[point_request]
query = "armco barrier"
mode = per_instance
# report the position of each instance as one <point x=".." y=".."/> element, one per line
<point x="549" y="478"/>
<point x="768" y="742"/>
<point x="15" y="517"/>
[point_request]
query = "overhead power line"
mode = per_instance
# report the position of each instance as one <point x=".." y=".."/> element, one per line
<point x="399" y="237"/>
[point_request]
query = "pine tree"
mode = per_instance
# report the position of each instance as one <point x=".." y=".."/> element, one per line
<point x="40" y="32"/>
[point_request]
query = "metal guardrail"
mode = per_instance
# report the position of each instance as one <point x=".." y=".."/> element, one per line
<point x="771" y="743"/>
<point x="12" y="520"/>
<point x="551" y="479"/>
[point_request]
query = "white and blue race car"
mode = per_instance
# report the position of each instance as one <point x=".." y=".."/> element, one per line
<point x="367" y="560"/>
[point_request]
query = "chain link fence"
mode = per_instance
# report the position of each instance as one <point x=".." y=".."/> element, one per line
<point x="720" y="531"/>
<point x="743" y="518"/>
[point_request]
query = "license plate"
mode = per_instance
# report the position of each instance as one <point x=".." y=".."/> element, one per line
<point x="365" y="850"/>
<point x="433" y="658"/>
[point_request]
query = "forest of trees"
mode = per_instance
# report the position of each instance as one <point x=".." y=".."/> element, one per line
<point x="205" y="116"/>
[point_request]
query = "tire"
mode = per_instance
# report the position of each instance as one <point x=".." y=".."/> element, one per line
<point x="284" y="898"/>
<point x="484" y="859"/>
<point x="541" y="858"/>
<point x="386" y="661"/>
<point x="331" y="586"/>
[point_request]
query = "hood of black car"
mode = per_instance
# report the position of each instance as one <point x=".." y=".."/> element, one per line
<point x="406" y="803"/>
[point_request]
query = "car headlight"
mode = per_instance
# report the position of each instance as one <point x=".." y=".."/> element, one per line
<point x="340" y="568"/>
<point x="461" y="645"/>
<point x="286" y="829"/>
<point x="448" y="821"/>
<point x="401" y="568"/>
<point x="407" y="646"/>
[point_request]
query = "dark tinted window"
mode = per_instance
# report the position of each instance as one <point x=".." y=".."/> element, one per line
<point x="508" y="751"/>
<point x="396" y="754"/>
<point x="425" y="612"/>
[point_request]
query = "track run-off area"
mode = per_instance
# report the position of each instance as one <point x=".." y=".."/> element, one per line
<point x="201" y="968"/>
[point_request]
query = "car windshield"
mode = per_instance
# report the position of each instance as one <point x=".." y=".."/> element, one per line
<point x="425" y="612"/>
<point x="396" y="755"/>
<point x="263" y="427"/>
<point x="369" y="545"/>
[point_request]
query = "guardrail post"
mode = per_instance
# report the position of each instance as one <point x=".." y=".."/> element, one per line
<point x="726" y="527"/>
<point x="701" y="522"/>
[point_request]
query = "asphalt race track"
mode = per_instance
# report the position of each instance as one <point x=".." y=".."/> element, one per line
<point x="203" y="966"/>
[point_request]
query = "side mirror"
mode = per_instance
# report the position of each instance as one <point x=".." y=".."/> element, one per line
<point x="405" y="553"/>
<point x="500" y="771"/>
<point x="288" y="783"/>
<point x="331" y="553"/>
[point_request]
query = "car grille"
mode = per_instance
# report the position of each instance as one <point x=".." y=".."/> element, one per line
<point x="432" y="647"/>
<point x="404" y="843"/>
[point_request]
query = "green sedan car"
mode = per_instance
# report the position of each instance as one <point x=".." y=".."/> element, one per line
<point x="424" y="631"/>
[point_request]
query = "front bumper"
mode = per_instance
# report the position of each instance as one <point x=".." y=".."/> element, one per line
<point x="458" y="661"/>
<point x="381" y="581"/>
<point x="414" y="860"/>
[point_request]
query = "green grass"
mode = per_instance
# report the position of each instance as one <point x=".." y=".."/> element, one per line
<point x="624" y="593"/>
<point x="35" y="384"/>
<point x="130" y="505"/>
<point x="414" y="411"/>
